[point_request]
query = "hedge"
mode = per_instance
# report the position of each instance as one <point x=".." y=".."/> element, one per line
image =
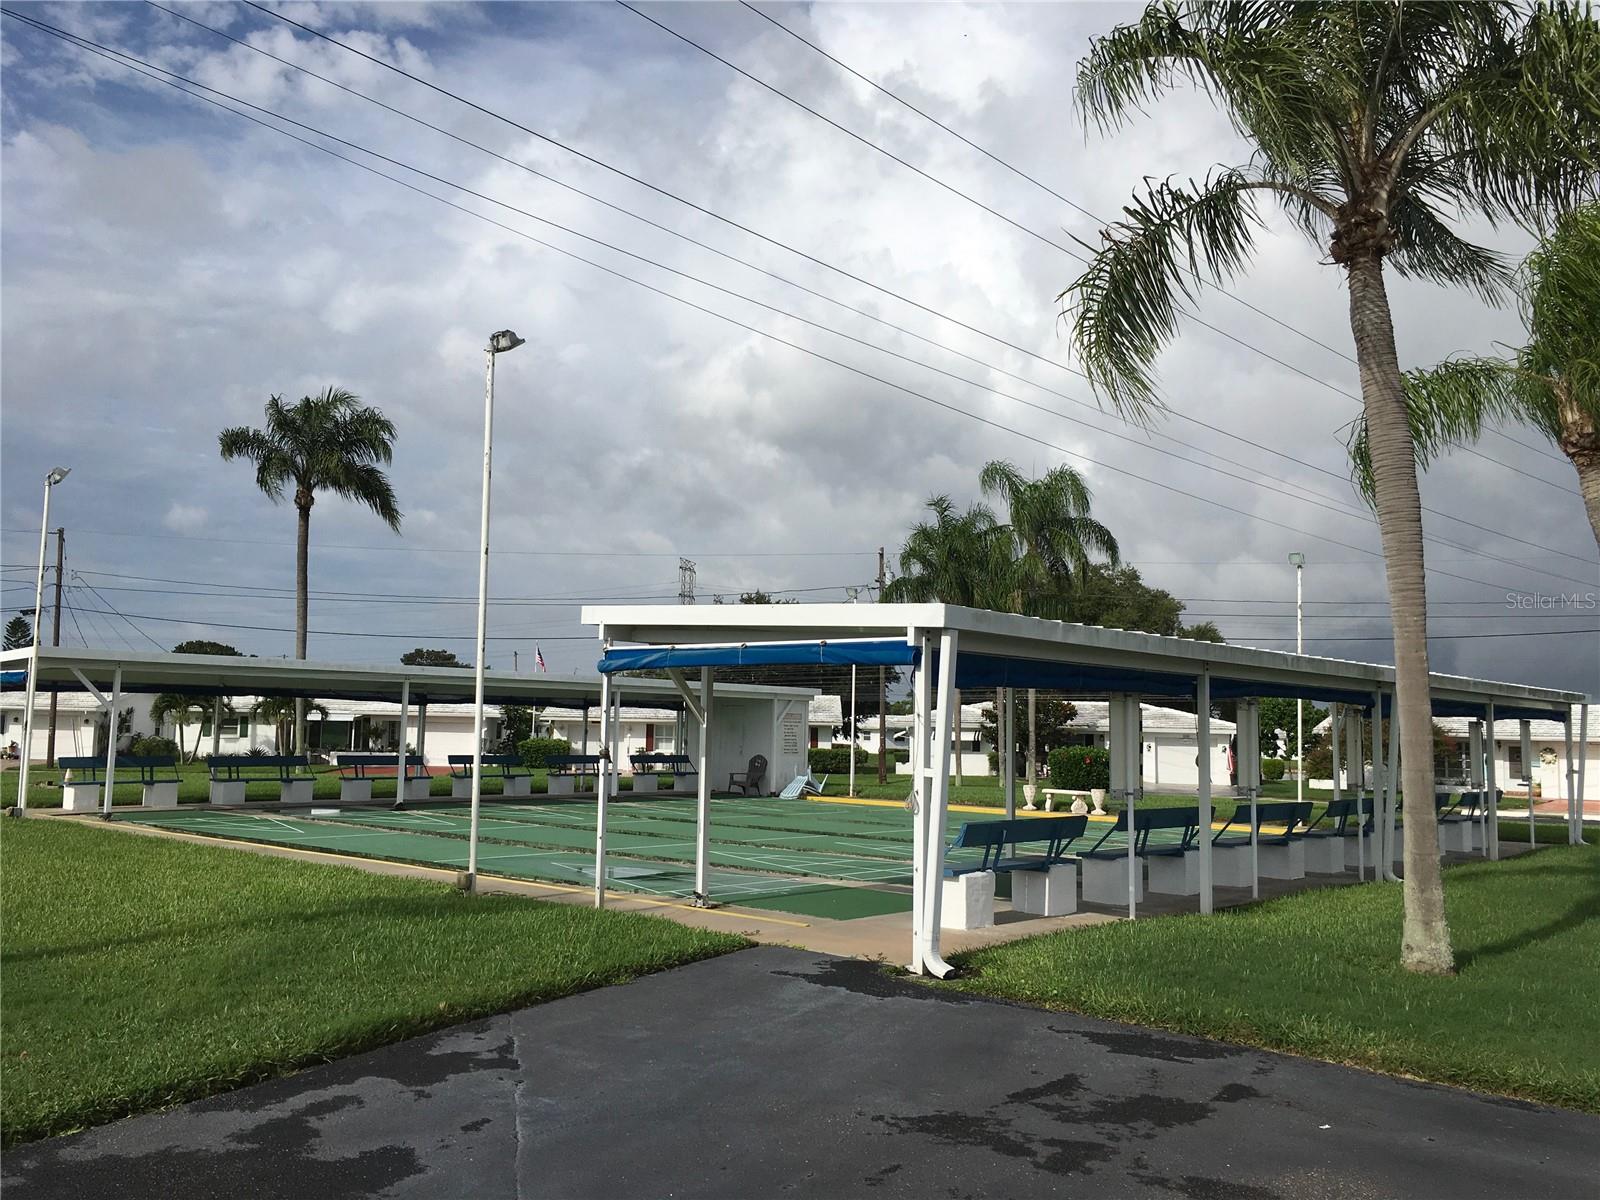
<point x="1272" y="769"/>
<point x="835" y="760"/>
<point x="1080" y="768"/>
<point x="155" y="747"/>
<point x="537" y="752"/>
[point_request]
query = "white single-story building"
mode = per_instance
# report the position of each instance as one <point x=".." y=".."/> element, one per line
<point x="1547" y="741"/>
<point x="80" y="724"/>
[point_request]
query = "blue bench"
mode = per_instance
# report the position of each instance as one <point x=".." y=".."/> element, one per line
<point x="357" y="771"/>
<point x="158" y="777"/>
<point x="82" y="791"/>
<point x="1055" y="834"/>
<point x="1281" y="852"/>
<point x="1105" y="865"/>
<point x="646" y="768"/>
<point x="1330" y="840"/>
<point x="1044" y="883"/>
<point x="232" y="775"/>
<point x="567" y="771"/>
<point x="515" y="778"/>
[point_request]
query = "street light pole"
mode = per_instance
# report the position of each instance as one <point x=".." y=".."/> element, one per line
<point x="1299" y="561"/>
<point x="499" y="343"/>
<point x="50" y="481"/>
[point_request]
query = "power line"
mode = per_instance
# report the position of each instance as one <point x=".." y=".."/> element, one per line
<point x="115" y="610"/>
<point x="1092" y="407"/>
<point x="747" y="229"/>
<point x="118" y="55"/>
<point x="1070" y="203"/>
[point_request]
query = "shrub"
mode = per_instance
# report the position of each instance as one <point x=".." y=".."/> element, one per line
<point x="1080" y="768"/>
<point x="155" y="747"/>
<point x="537" y="752"/>
<point x="1272" y="770"/>
<point x="1319" y="762"/>
<point x="835" y="760"/>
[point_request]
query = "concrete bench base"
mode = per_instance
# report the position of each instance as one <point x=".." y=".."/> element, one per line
<point x="227" y="792"/>
<point x="1357" y="850"/>
<point x="1456" y="836"/>
<point x="295" y="791"/>
<point x="355" y="791"/>
<point x="967" y="901"/>
<point x="461" y="789"/>
<point x="160" y="795"/>
<point x="418" y="789"/>
<point x="562" y="785"/>
<point x="1052" y="893"/>
<point x="1283" y="862"/>
<point x="1105" y="881"/>
<point x="644" y="783"/>
<point x="1230" y="866"/>
<point x="1325" y="855"/>
<point x="517" y="785"/>
<point x="1174" y="874"/>
<point x="82" y="796"/>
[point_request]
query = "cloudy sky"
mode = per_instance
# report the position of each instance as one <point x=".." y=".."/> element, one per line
<point x="167" y="266"/>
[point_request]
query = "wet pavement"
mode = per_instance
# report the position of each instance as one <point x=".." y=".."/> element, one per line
<point x="775" y="1071"/>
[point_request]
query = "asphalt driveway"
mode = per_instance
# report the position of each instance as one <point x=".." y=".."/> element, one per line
<point x="778" y="1072"/>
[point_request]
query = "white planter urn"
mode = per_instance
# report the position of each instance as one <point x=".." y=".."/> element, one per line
<point x="1098" y="795"/>
<point x="1029" y="791"/>
<point x="1079" y="807"/>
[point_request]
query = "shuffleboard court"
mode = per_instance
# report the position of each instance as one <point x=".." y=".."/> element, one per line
<point x="817" y="858"/>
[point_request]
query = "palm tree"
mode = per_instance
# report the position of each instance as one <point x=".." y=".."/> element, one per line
<point x="184" y="710"/>
<point x="1369" y="122"/>
<point x="330" y="442"/>
<point x="957" y="558"/>
<point x="1552" y="383"/>
<point x="1056" y="540"/>
<point x="281" y="712"/>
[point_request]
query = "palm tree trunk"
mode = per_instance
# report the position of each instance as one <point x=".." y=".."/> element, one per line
<point x="1425" y="941"/>
<point x="1588" y="466"/>
<point x="1580" y="442"/>
<point x="302" y="563"/>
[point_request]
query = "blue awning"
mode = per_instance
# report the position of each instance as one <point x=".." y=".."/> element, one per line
<point x="13" y="678"/>
<point x="993" y="670"/>
<point x="889" y="652"/>
<point x="1247" y="689"/>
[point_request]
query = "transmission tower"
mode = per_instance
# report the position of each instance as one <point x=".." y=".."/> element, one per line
<point x="685" y="581"/>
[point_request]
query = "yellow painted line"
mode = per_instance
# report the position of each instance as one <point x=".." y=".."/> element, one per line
<point x="637" y="897"/>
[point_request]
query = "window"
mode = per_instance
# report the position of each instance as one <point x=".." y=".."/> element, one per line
<point x="1514" y="761"/>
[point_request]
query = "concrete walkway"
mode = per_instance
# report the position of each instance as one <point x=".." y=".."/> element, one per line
<point x="776" y="1071"/>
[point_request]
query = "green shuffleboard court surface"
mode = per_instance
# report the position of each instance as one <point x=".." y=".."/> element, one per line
<point x="824" y="859"/>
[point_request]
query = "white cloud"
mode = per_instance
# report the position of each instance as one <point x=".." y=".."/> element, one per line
<point x="185" y="518"/>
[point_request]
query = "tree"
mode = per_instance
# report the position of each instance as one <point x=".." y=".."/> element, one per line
<point x="424" y="657"/>
<point x="962" y="558"/>
<point x="203" y="646"/>
<point x="1278" y="715"/>
<point x="184" y="710"/>
<point x="516" y="727"/>
<point x="19" y="633"/>
<point x="281" y="712"/>
<point x="1552" y="383"/>
<point x="1370" y="122"/>
<point x="1054" y="540"/>
<point x="329" y="442"/>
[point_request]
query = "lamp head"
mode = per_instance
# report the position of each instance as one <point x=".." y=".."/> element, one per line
<point x="502" y="341"/>
<point x="1297" y="560"/>
<point x="56" y="476"/>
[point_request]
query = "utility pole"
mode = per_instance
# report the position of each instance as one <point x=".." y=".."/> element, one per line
<point x="685" y="581"/>
<point x="883" y="694"/>
<point x="55" y="640"/>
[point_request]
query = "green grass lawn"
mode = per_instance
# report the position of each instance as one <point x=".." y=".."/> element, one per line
<point x="194" y="786"/>
<point x="1318" y="974"/>
<point x="139" y="972"/>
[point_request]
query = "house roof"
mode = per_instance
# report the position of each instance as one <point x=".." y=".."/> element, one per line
<point x="1504" y="731"/>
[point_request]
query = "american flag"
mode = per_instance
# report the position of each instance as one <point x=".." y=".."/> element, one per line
<point x="538" y="658"/>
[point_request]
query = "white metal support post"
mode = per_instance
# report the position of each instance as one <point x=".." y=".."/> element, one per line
<point x="1476" y="777"/>
<point x="1378" y="843"/>
<point x="111" y="739"/>
<point x="602" y="786"/>
<point x="1249" y="776"/>
<point x="1202" y="726"/>
<point x="919" y="800"/>
<point x="1358" y="783"/>
<point x="949" y="716"/>
<point x="1527" y="774"/>
<point x="852" y="729"/>
<point x="1567" y="775"/>
<point x="1335" y="729"/>
<point x="1583" y="764"/>
<point x="1491" y="771"/>
<point x="1119" y="731"/>
<point x="50" y="481"/>
<point x="702" y="889"/>
<point x="400" y="755"/>
<point x="1008" y="754"/>
<point x="216" y="727"/>
<point x="1391" y="791"/>
<point x="1299" y="561"/>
